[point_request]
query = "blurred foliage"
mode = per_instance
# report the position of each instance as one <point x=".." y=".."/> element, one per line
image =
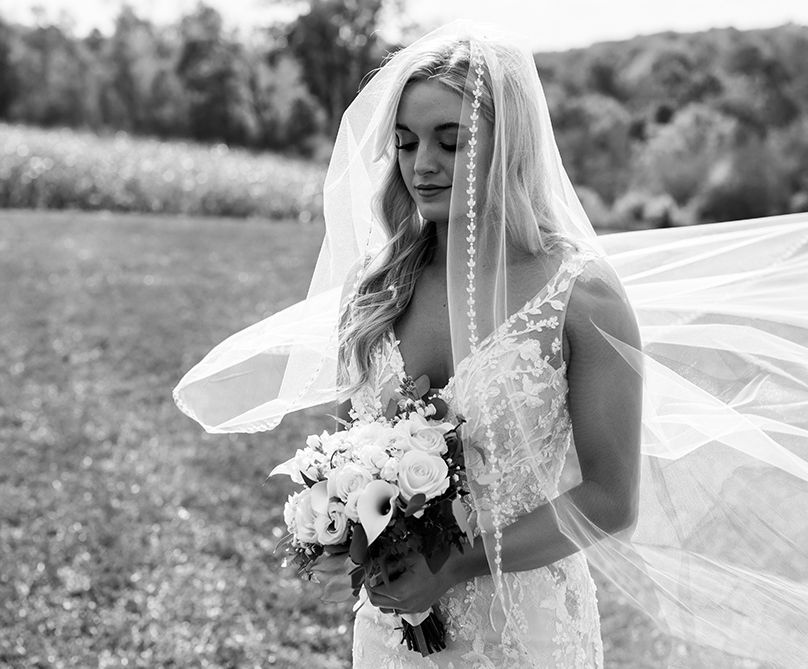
<point x="68" y="169"/>
<point x="284" y="87"/>
<point x="656" y="130"/>
<point x="673" y="129"/>
<point x="336" y="44"/>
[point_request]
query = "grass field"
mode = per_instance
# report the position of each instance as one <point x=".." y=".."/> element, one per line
<point x="128" y="537"/>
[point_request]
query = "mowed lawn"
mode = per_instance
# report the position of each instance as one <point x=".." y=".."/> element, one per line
<point x="128" y="536"/>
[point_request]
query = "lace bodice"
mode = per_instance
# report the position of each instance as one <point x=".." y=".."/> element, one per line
<point x="520" y="365"/>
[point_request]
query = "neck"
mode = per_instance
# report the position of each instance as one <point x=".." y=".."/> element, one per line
<point x="441" y="244"/>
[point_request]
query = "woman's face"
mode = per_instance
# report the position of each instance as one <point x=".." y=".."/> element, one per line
<point x="432" y="131"/>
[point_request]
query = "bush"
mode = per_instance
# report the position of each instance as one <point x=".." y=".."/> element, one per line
<point x="678" y="156"/>
<point x="66" y="169"/>
<point x="641" y="210"/>
<point x="750" y="183"/>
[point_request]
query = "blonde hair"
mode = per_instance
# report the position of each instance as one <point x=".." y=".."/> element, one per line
<point x="384" y="294"/>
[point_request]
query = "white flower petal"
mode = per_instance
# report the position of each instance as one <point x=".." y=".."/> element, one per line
<point x="375" y="507"/>
<point x="319" y="497"/>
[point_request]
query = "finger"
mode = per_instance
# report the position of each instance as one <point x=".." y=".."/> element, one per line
<point x="382" y="601"/>
<point x="383" y="593"/>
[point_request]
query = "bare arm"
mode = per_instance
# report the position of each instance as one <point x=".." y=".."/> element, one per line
<point x="605" y="404"/>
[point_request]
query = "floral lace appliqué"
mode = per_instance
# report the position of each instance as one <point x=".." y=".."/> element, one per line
<point x="517" y="371"/>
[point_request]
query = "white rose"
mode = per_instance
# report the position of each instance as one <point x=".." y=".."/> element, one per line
<point x="420" y="472"/>
<point x="304" y="518"/>
<point x="370" y="433"/>
<point x="417" y="433"/>
<point x="349" y="478"/>
<point x="332" y="528"/>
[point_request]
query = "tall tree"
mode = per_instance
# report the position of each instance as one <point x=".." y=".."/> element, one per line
<point x="53" y="70"/>
<point x="214" y="71"/>
<point x="759" y="92"/>
<point x="132" y="65"/>
<point x="593" y="137"/>
<point x="336" y="43"/>
<point x="9" y="83"/>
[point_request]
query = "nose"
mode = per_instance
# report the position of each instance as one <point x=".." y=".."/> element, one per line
<point x="426" y="159"/>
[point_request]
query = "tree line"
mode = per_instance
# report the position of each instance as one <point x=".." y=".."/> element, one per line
<point x="670" y="128"/>
<point x="682" y="128"/>
<point x="280" y="89"/>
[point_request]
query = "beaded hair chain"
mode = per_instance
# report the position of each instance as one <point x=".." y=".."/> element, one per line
<point x="471" y="239"/>
<point x="471" y="191"/>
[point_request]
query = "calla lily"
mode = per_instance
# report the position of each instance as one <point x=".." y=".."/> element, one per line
<point x="375" y="507"/>
<point x="319" y="498"/>
<point x="287" y="468"/>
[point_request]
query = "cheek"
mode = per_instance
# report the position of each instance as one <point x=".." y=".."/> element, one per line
<point x="405" y="163"/>
<point x="406" y="169"/>
<point x="449" y="166"/>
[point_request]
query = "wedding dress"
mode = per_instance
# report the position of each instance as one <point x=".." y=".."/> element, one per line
<point x="554" y="607"/>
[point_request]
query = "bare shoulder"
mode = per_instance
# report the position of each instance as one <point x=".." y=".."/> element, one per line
<point x="597" y="304"/>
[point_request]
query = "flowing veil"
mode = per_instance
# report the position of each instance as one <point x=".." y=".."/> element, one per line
<point x="722" y="530"/>
<point x="719" y="553"/>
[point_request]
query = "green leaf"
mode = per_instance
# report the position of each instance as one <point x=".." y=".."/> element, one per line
<point x="437" y="558"/>
<point x="392" y="409"/>
<point x="359" y="545"/>
<point x="441" y="408"/>
<point x="332" y="564"/>
<point x="385" y="573"/>
<point x="358" y="578"/>
<point x="461" y="518"/>
<point x="454" y="442"/>
<point x="422" y="386"/>
<point x="338" y="589"/>
<point x="415" y="504"/>
<point x="337" y="549"/>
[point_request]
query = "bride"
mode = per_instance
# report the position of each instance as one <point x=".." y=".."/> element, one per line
<point x="536" y="370"/>
<point x="457" y="250"/>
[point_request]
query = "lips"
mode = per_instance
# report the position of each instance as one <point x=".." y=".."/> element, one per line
<point x="430" y="189"/>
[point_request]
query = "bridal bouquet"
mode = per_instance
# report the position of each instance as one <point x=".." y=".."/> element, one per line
<point x="376" y="492"/>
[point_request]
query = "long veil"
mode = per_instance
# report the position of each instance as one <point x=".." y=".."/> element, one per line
<point x="722" y="533"/>
<point x="719" y="553"/>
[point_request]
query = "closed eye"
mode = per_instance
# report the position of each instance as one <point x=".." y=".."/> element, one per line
<point x="411" y="146"/>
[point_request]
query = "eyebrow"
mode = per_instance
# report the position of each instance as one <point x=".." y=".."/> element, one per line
<point x="449" y="125"/>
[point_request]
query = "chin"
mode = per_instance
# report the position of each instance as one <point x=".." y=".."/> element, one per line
<point x="435" y="214"/>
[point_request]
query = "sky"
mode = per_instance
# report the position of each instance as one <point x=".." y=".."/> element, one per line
<point x="548" y="26"/>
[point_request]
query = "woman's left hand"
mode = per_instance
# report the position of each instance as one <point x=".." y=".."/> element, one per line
<point x="416" y="589"/>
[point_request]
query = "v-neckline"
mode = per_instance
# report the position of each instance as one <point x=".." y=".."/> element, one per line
<point x="485" y="340"/>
